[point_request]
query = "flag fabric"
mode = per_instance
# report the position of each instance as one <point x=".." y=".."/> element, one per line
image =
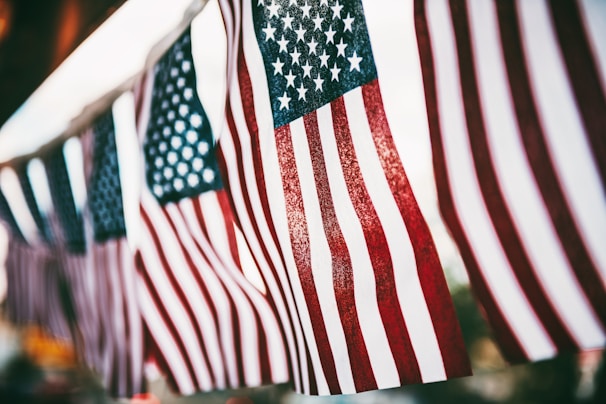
<point x="70" y="232"/>
<point x="320" y="192"/>
<point x="120" y="324"/>
<point x="34" y="276"/>
<point x="20" y="302"/>
<point x="209" y="327"/>
<point x="517" y="116"/>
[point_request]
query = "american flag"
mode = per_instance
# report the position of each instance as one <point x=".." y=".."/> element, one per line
<point x="322" y="197"/>
<point x="517" y="117"/>
<point x="19" y="300"/>
<point x="210" y="327"/>
<point x="114" y="269"/>
<point x="34" y="279"/>
<point x="66" y="220"/>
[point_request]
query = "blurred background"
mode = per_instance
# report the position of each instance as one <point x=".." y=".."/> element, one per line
<point x="36" y="38"/>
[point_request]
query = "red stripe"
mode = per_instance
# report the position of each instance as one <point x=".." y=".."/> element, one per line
<point x="537" y="153"/>
<point x="376" y="244"/>
<point x="342" y="271"/>
<point x="228" y="219"/>
<point x="177" y="289"/>
<point x="248" y="105"/>
<point x="264" y="362"/>
<point x="255" y="228"/>
<point x="429" y="269"/>
<point x="154" y="354"/>
<point x="583" y="75"/>
<point x="176" y="338"/>
<point x="235" y="324"/>
<point x="128" y="344"/>
<point x="234" y="313"/>
<point x="493" y="197"/>
<point x="299" y="237"/>
<point x="208" y="298"/>
<point x="253" y="130"/>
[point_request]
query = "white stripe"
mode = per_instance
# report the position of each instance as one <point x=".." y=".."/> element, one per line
<point x="273" y="286"/>
<point x="467" y="195"/>
<point x="248" y="328"/>
<point x="118" y="318"/>
<point x="145" y="90"/>
<point x="249" y="266"/>
<point x="519" y="187"/>
<point x="239" y="285"/>
<point x="214" y="340"/>
<point x="410" y="293"/>
<point x="214" y="221"/>
<point x="72" y="153"/>
<point x="593" y="17"/>
<point x="170" y="298"/>
<point x="11" y="189"/>
<point x="164" y="339"/>
<point x="566" y="138"/>
<point x="129" y="156"/>
<point x="320" y="257"/>
<point x="135" y="331"/>
<point x="271" y="176"/>
<point x="275" y="191"/>
<point x="373" y="329"/>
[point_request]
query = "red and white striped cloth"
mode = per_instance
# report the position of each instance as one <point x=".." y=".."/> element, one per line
<point x="517" y="115"/>
<point x="121" y="340"/>
<point x="327" y="209"/>
<point x="209" y="327"/>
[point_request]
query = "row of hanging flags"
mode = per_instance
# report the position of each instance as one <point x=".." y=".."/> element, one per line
<point x="305" y="187"/>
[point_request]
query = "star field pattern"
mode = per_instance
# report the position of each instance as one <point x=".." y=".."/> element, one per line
<point x="70" y="219"/>
<point x="179" y="146"/>
<point x="105" y="192"/>
<point x="312" y="53"/>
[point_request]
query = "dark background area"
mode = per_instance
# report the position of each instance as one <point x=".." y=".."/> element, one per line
<point x="36" y="36"/>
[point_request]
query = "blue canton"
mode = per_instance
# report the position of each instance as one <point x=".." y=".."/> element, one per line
<point x="314" y="51"/>
<point x="70" y="218"/>
<point x="179" y="146"/>
<point x="105" y="192"/>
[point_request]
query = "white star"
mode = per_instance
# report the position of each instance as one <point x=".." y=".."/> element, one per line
<point x="324" y="2"/>
<point x="260" y="3"/>
<point x="334" y="71"/>
<point x="318" y="22"/>
<point x="354" y="62"/>
<point x="301" y="90"/>
<point x="330" y="35"/>
<point x="324" y="59"/>
<point x="278" y="66"/>
<point x="306" y="70"/>
<point x="348" y="21"/>
<point x="269" y="32"/>
<point x="287" y="21"/>
<point x="336" y="10"/>
<point x="300" y="32"/>
<point x="312" y="46"/>
<point x="318" y="81"/>
<point x="290" y="79"/>
<point x="273" y="10"/>
<point x="293" y="3"/>
<point x="305" y="9"/>
<point x="284" y="101"/>
<point x="295" y="56"/>
<point x="341" y="48"/>
<point x="283" y="42"/>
